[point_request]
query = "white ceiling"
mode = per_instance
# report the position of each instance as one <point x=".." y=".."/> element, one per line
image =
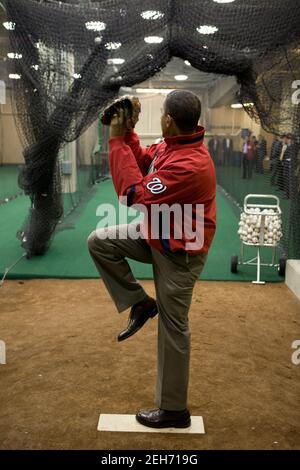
<point x="198" y="81"/>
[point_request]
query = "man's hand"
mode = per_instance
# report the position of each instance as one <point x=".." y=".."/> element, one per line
<point x="136" y="110"/>
<point x="120" y="124"/>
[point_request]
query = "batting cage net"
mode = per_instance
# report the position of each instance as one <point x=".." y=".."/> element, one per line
<point x="75" y="56"/>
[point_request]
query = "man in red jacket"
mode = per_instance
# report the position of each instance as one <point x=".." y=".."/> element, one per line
<point x="174" y="184"/>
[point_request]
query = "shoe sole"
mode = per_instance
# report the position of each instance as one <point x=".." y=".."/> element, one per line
<point x="170" y="424"/>
<point x="133" y="332"/>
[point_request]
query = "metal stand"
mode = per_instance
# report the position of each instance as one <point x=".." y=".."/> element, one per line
<point x="257" y="260"/>
<point x="258" y="281"/>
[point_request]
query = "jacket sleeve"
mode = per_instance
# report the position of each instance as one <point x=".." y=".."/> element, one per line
<point x="143" y="155"/>
<point x="169" y="185"/>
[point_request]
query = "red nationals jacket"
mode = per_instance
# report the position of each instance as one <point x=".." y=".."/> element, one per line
<point x="177" y="171"/>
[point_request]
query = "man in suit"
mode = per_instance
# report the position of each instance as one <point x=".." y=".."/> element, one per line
<point x="227" y="150"/>
<point x="214" y="150"/>
<point x="275" y="152"/>
<point x="287" y="162"/>
<point x="261" y="154"/>
<point x="279" y="151"/>
<point x="249" y="149"/>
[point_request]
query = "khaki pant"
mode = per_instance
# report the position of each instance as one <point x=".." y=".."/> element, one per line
<point x="175" y="275"/>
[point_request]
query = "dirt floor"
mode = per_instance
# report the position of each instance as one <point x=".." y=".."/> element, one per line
<point x="65" y="367"/>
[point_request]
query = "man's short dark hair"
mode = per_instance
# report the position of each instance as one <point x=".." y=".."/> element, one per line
<point x="185" y="108"/>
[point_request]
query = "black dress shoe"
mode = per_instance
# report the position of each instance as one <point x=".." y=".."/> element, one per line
<point x="164" y="419"/>
<point x="139" y="314"/>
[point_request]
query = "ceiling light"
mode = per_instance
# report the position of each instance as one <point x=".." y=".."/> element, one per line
<point x="162" y="91"/>
<point x="223" y="1"/>
<point x="181" y="78"/>
<point x="77" y="76"/>
<point x="152" y="15"/>
<point x="14" y="76"/>
<point x="236" y="106"/>
<point x="95" y="25"/>
<point x="116" y="61"/>
<point x="153" y="39"/>
<point x="112" y="46"/>
<point x="248" y="104"/>
<point x="116" y="79"/>
<point x="9" y="25"/>
<point x="206" y="29"/>
<point x="187" y="62"/>
<point x="13" y="55"/>
<point x="205" y="47"/>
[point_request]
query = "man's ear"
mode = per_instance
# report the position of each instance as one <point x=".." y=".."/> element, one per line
<point x="169" y="120"/>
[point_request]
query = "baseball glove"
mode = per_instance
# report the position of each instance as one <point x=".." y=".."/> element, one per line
<point x="130" y="106"/>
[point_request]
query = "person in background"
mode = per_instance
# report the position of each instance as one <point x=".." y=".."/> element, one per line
<point x="261" y="154"/>
<point x="227" y="150"/>
<point x="277" y="176"/>
<point x="214" y="149"/>
<point x="249" y="149"/>
<point x="255" y="142"/>
<point x="275" y="152"/>
<point x="287" y="167"/>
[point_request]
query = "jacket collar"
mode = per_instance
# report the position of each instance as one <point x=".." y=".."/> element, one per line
<point x="182" y="140"/>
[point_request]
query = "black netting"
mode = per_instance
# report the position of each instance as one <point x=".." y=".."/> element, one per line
<point x="257" y="41"/>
